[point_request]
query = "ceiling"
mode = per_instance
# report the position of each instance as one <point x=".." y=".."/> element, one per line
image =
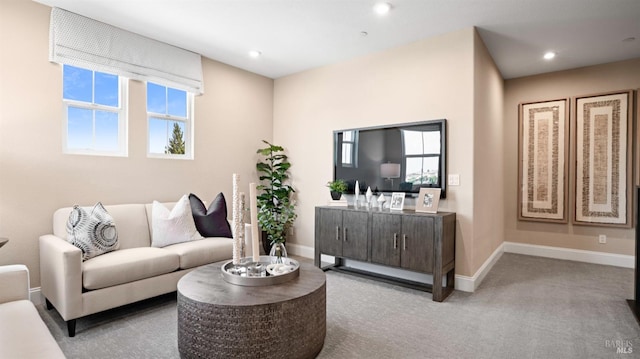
<point x="297" y="35"/>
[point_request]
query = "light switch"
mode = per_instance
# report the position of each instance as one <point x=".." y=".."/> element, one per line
<point x="454" y="180"/>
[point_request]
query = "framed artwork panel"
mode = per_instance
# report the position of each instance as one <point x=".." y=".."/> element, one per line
<point x="428" y="200"/>
<point x="543" y="164"/>
<point x="604" y="169"/>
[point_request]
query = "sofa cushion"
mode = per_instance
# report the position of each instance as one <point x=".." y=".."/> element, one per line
<point x="173" y="226"/>
<point x="23" y="334"/>
<point x="127" y="265"/>
<point x="93" y="231"/>
<point x="211" y="222"/>
<point x="205" y="251"/>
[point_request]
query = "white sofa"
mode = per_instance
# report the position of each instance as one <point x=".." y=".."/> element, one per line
<point x="134" y="272"/>
<point x="23" y="334"/>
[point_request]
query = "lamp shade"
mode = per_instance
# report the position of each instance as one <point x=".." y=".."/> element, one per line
<point x="390" y="170"/>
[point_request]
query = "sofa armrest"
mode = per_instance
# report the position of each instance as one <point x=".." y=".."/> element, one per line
<point x="14" y="281"/>
<point x="61" y="275"/>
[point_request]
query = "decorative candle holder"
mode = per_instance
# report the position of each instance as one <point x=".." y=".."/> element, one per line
<point x="255" y="274"/>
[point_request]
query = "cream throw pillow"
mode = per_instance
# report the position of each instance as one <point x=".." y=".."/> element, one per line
<point x="175" y="226"/>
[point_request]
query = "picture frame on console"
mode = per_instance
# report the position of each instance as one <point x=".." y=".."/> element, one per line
<point x="397" y="201"/>
<point x="604" y="170"/>
<point x="543" y="161"/>
<point x="428" y="200"/>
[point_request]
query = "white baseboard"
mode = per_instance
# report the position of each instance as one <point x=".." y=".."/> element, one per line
<point x="36" y="296"/>
<point x="469" y="284"/>
<point x="300" y="250"/>
<point x="578" y="255"/>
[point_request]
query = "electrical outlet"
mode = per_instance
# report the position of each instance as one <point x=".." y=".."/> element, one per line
<point x="291" y="233"/>
<point x="602" y="239"/>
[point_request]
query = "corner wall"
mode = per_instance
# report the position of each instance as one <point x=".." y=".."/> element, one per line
<point x="231" y="119"/>
<point x="583" y="81"/>
<point x="488" y="151"/>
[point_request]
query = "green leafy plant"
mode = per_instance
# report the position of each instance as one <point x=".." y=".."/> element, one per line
<point x="337" y="186"/>
<point x="276" y="208"/>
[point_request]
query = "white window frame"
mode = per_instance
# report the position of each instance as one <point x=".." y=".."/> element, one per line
<point x="121" y="110"/>
<point x="188" y="128"/>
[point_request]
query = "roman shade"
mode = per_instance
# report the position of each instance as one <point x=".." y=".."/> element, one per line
<point x="79" y="41"/>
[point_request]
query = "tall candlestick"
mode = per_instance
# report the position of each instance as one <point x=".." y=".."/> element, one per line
<point x="255" y="239"/>
<point x="237" y="247"/>
<point x="241" y="226"/>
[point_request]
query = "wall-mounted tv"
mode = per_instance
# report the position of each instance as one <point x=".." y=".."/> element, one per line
<point x="396" y="158"/>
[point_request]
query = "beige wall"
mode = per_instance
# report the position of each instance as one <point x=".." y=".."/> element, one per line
<point x="428" y="79"/>
<point x="231" y="119"/>
<point x="488" y="149"/>
<point x="583" y="81"/>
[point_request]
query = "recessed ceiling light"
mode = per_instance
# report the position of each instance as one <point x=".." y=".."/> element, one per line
<point x="549" y="55"/>
<point x="255" y="53"/>
<point x="382" y="8"/>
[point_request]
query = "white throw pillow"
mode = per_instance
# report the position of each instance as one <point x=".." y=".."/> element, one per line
<point x="175" y="226"/>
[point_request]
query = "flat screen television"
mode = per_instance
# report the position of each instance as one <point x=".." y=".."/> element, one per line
<point x="395" y="158"/>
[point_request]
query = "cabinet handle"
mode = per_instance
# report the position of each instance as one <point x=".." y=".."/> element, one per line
<point x="395" y="240"/>
<point x="344" y="233"/>
<point x="337" y="233"/>
<point x="404" y="242"/>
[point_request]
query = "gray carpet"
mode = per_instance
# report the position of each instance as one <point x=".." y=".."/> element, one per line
<point x="526" y="307"/>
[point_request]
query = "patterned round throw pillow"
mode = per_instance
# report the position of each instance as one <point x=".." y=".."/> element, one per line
<point x="93" y="232"/>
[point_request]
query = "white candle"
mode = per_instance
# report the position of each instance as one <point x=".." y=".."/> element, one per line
<point x="255" y="239"/>
<point x="236" y="221"/>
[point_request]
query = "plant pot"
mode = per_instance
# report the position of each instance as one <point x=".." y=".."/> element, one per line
<point x="336" y="195"/>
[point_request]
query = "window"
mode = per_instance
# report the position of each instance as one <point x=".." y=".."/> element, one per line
<point x="169" y="121"/>
<point x="349" y="147"/>
<point x="422" y="156"/>
<point x="95" y="116"/>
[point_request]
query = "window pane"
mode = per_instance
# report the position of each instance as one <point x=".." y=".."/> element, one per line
<point x="176" y="138"/>
<point x="177" y="102"/>
<point x="430" y="172"/>
<point x="347" y="136"/>
<point x="80" y="128"/>
<point x="106" y="92"/>
<point x="106" y="131"/>
<point x="77" y="84"/>
<point x="156" y="98"/>
<point x="347" y="154"/>
<point x="158" y="135"/>
<point x="412" y="142"/>
<point x="431" y="142"/>
<point x="414" y="170"/>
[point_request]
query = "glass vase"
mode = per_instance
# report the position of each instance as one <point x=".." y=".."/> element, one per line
<point x="278" y="252"/>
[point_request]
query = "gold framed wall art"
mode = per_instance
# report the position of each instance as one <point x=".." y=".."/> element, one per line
<point x="543" y="161"/>
<point x="604" y="154"/>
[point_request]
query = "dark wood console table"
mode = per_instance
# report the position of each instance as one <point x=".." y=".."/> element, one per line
<point x="414" y="241"/>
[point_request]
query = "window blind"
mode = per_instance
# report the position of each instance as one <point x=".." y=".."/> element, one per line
<point x="81" y="41"/>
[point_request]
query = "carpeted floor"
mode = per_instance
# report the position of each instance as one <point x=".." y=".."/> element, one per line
<point x="526" y="307"/>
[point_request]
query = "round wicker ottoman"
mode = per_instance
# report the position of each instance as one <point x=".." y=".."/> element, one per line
<point x="217" y="319"/>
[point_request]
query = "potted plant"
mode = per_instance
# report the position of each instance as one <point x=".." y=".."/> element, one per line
<point x="276" y="208"/>
<point x="337" y="188"/>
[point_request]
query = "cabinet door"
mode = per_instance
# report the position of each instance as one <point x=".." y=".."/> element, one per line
<point x="417" y="243"/>
<point x="385" y="239"/>
<point x="330" y="233"/>
<point x="354" y="235"/>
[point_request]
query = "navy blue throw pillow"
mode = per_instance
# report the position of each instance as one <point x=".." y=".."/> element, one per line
<point x="211" y="222"/>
